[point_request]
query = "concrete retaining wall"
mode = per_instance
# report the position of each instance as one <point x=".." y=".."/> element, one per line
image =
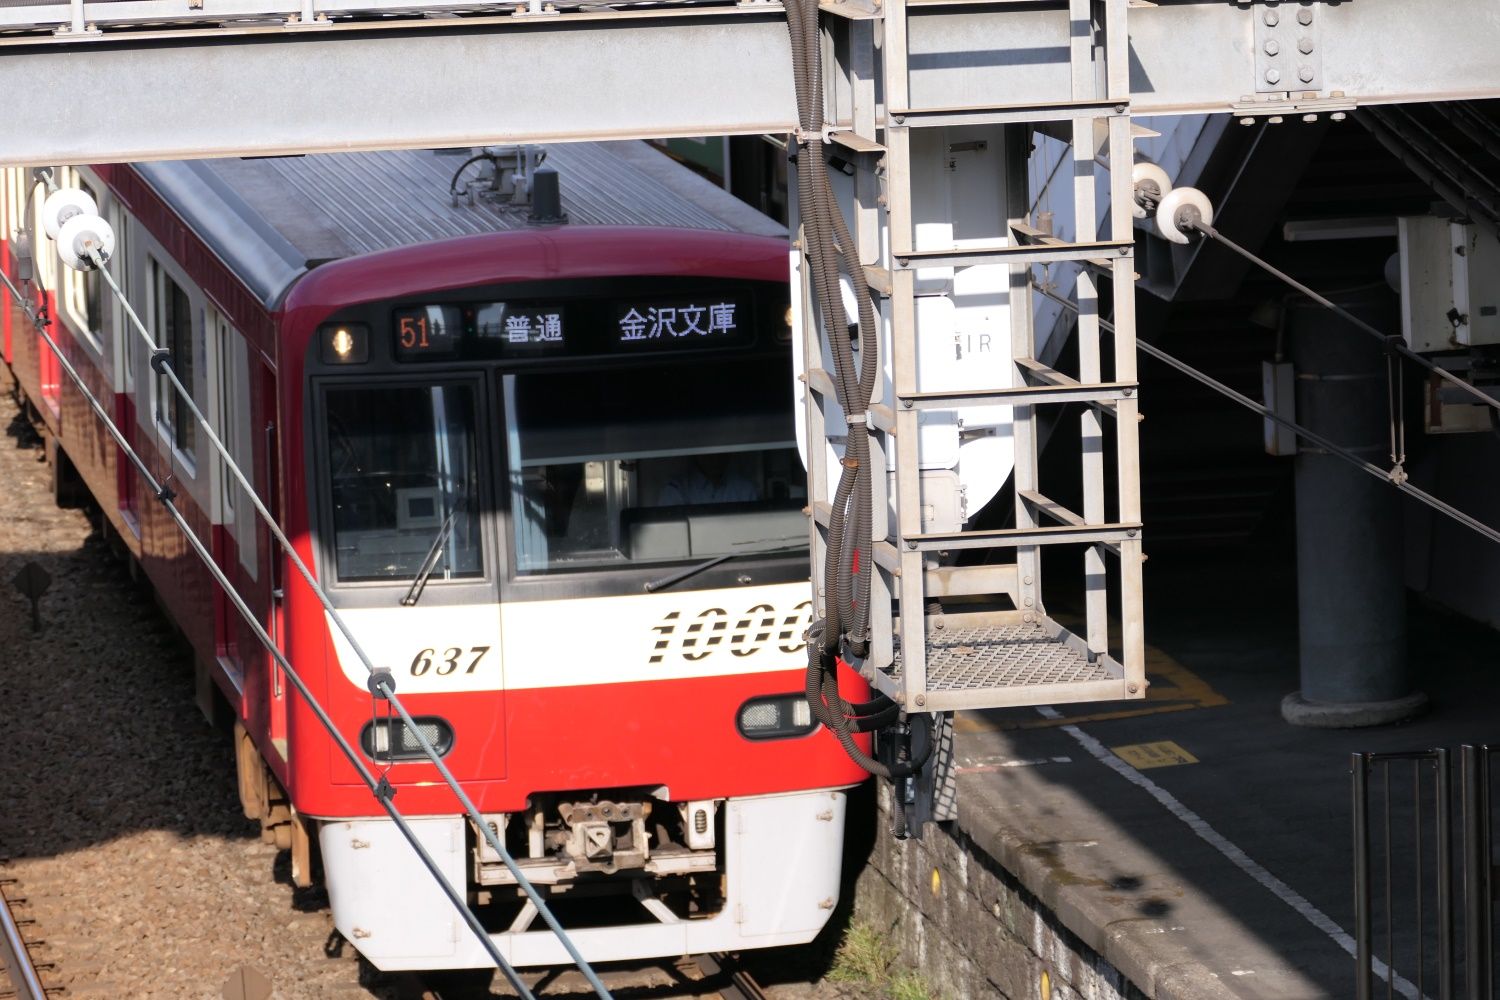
<point x="969" y="926"/>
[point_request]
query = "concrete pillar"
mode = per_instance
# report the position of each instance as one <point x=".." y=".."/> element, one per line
<point x="1351" y="596"/>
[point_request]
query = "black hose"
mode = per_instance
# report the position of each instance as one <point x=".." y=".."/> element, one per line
<point x="453" y="184"/>
<point x="881" y="719"/>
<point x="849" y="564"/>
<point x="829" y="245"/>
<point x="830" y="709"/>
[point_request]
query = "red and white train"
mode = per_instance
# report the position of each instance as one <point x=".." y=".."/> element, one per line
<point x="547" y="472"/>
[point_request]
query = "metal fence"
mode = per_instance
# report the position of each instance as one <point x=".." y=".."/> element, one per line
<point x="1424" y="865"/>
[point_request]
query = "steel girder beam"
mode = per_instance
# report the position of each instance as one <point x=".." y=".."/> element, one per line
<point x="1205" y="56"/>
<point x="214" y="91"/>
<point x="434" y="84"/>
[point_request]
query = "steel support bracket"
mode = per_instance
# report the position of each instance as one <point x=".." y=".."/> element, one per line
<point x="852" y="10"/>
<point x="1287" y="54"/>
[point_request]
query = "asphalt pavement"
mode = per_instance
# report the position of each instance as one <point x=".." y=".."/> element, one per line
<point x="1195" y="839"/>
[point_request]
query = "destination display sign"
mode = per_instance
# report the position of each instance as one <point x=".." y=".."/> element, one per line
<point x="521" y="329"/>
<point x="506" y="330"/>
<point x="680" y="324"/>
<point x="428" y="332"/>
<point x="530" y="330"/>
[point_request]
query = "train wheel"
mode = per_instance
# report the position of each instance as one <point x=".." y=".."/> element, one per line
<point x="302" y="851"/>
<point x="253" y="775"/>
<point x="68" y="490"/>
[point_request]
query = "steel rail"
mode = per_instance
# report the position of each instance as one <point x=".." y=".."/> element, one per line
<point x="1313" y="437"/>
<point x="691" y="975"/>
<point x="741" y="985"/>
<point x="379" y="788"/>
<point x="18" y="962"/>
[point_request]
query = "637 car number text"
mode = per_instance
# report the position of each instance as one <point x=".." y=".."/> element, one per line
<point x="447" y="661"/>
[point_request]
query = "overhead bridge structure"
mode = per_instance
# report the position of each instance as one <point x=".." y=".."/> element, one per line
<point x="111" y="80"/>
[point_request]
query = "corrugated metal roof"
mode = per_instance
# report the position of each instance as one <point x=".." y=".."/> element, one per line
<point x="354" y="203"/>
<point x="273" y="218"/>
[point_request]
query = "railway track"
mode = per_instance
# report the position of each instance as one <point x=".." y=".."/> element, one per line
<point x="21" y="979"/>
<point x="738" y="985"/>
<point x="696" y="977"/>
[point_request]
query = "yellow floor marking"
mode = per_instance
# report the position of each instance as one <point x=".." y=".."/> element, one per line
<point x="1173" y="688"/>
<point x="1164" y="753"/>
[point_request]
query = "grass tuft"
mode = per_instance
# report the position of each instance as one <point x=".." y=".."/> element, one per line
<point x="909" y="986"/>
<point x="864" y="956"/>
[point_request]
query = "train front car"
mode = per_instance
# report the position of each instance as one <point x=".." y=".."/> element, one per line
<point x="549" y="479"/>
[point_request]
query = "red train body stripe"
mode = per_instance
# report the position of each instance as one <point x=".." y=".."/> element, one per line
<point x="509" y="744"/>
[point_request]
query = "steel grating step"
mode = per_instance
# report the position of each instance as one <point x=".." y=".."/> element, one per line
<point x="996" y="660"/>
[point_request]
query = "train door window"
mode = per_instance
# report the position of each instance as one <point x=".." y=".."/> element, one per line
<point x="83" y="291"/>
<point x="231" y="383"/>
<point x="172" y="316"/>
<point x="221" y="365"/>
<point x="45" y="264"/>
<point x="661" y="465"/>
<point x="404" y="482"/>
<point x="128" y="341"/>
<point x="9" y="222"/>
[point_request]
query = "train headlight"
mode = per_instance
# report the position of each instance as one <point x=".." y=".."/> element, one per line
<point x="776" y="717"/>
<point x="344" y="344"/>
<point x="392" y="739"/>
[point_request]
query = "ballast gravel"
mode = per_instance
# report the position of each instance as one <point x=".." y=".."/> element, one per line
<point x="118" y="803"/>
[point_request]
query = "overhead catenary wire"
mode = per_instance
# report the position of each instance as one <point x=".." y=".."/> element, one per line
<point x="1384" y="475"/>
<point x="1392" y="342"/>
<point x="380" y="788"/>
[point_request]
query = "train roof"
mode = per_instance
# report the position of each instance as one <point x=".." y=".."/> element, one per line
<point x="271" y="219"/>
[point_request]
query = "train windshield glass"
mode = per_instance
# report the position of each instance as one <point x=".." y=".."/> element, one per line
<point x="404" y="476"/>
<point x="652" y="465"/>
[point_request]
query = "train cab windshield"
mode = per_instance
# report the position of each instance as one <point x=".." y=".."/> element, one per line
<point x="651" y="466"/>
<point x="597" y="454"/>
<point x="403" y="471"/>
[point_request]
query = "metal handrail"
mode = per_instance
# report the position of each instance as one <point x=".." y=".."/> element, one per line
<point x="1367" y="964"/>
<point x="1479" y="898"/>
<point x="18" y="963"/>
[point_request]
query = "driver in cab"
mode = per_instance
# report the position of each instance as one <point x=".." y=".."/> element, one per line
<point x="707" y="478"/>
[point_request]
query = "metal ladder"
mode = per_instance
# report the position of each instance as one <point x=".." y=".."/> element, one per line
<point x="1016" y="654"/>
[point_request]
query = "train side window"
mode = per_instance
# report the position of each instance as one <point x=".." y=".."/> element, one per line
<point x="172" y="321"/>
<point x="404" y="482"/>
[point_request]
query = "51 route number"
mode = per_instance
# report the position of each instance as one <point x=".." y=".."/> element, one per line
<point x="448" y="661"/>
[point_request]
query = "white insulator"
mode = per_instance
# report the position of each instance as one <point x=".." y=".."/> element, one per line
<point x="81" y="235"/>
<point x="1150" y="183"/>
<point x="1180" y="206"/>
<point x="61" y="205"/>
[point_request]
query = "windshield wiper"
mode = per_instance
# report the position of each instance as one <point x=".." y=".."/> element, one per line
<point x="683" y="574"/>
<point x="429" y="562"/>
